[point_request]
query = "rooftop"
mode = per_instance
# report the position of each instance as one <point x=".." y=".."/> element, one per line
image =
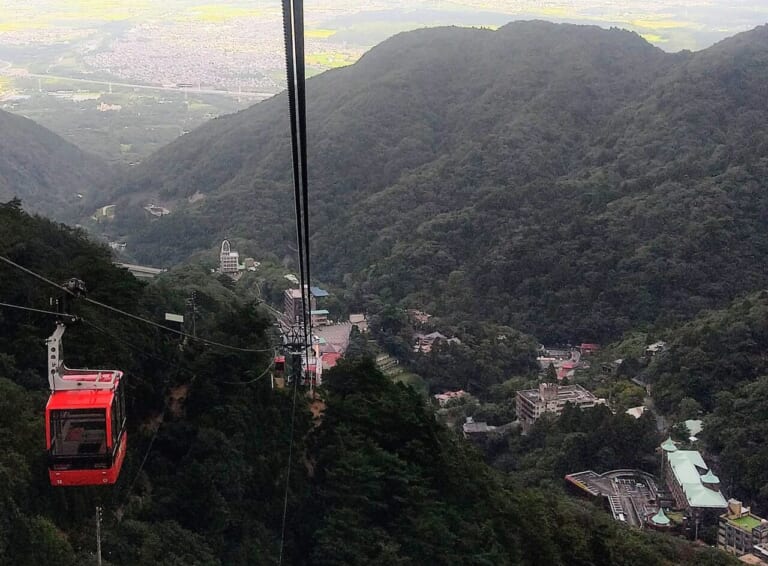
<point x="694" y="426"/>
<point x="83" y="399"/>
<point x="318" y="292"/>
<point x="471" y="427"/>
<point x="669" y="445"/>
<point x="660" y="518"/>
<point x="685" y="466"/>
<point x="751" y="559"/>
<point x="746" y="522"/>
<point x="636" y="412"/>
<point x="565" y="393"/>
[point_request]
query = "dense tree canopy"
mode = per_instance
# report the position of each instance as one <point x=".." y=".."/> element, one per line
<point x="568" y="181"/>
<point x="375" y="477"/>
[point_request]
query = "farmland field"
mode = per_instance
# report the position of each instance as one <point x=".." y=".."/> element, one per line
<point x="205" y="58"/>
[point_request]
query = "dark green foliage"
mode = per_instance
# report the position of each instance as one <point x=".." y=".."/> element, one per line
<point x="378" y="480"/>
<point x="567" y="181"/>
<point x="391" y="486"/>
<point x="736" y="430"/>
<point x="716" y="352"/>
<point x="589" y="439"/>
<point x="716" y="368"/>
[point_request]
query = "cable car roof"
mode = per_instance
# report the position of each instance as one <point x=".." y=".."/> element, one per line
<point x="86" y="399"/>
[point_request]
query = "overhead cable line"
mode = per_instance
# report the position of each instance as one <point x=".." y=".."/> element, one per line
<point x="291" y="64"/>
<point x="254" y="380"/>
<point x="52" y="313"/>
<point x="293" y="27"/>
<point x="133" y="316"/>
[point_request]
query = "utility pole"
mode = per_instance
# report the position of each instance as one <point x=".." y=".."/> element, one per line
<point x="192" y="311"/>
<point x="98" y="535"/>
<point x="292" y="343"/>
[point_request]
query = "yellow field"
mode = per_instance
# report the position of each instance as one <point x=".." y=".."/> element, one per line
<point x="653" y="38"/>
<point x="100" y="10"/>
<point x="329" y="60"/>
<point x="217" y="13"/>
<point x="7" y="26"/>
<point x="662" y="24"/>
<point x="319" y="33"/>
<point x="555" y="12"/>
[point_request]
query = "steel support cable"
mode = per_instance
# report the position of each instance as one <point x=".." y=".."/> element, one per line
<point x="301" y="92"/>
<point x="133" y="316"/>
<point x="293" y="15"/>
<point x="290" y="66"/>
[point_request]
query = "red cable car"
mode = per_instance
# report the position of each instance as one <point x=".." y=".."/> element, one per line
<point x="84" y="421"/>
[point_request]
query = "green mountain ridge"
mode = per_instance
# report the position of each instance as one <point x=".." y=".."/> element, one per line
<point x="375" y="480"/>
<point x="569" y="181"/>
<point x="47" y="172"/>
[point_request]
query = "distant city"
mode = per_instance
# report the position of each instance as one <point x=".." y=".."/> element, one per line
<point x="145" y="73"/>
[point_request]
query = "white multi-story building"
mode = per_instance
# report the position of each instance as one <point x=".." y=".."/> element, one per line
<point x="229" y="261"/>
<point x="551" y="398"/>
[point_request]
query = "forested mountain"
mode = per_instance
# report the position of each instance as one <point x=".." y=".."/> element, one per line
<point x="568" y="181"/>
<point x="46" y="171"/>
<point x="716" y="367"/>
<point x="375" y="478"/>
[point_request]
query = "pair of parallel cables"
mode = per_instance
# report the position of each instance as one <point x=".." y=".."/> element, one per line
<point x="293" y="27"/>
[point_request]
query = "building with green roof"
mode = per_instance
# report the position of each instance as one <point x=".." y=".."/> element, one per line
<point x="660" y="521"/>
<point x="739" y="530"/>
<point x="695" y="489"/>
<point x="691" y="482"/>
<point x="669" y="445"/>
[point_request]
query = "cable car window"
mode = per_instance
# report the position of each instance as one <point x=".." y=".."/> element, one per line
<point x="118" y="415"/>
<point x="78" y="432"/>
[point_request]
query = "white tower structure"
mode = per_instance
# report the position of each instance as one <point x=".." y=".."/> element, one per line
<point x="228" y="260"/>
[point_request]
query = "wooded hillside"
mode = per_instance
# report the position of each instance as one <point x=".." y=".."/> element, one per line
<point x="47" y="172"/>
<point x="376" y="480"/>
<point x="569" y="181"/>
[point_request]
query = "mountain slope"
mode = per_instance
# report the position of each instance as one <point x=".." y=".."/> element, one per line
<point x="566" y="180"/>
<point x="45" y="171"/>
<point x="375" y="479"/>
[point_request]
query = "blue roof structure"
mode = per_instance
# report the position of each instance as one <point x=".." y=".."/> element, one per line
<point x="318" y="292"/>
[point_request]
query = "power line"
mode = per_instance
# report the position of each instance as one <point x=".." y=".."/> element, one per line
<point x="265" y="372"/>
<point x="146" y="454"/>
<point x="52" y="313"/>
<point x="173" y="364"/>
<point x="133" y="316"/>
<point x="131" y="345"/>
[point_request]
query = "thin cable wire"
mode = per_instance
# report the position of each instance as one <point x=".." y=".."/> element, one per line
<point x="33" y="274"/>
<point x="288" y="471"/>
<point x="290" y="65"/>
<point x="131" y="345"/>
<point x="169" y="363"/>
<point x="265" y="372"/>
<point x="146" y="454"/>
<point x="133" y="316"/>
<point x="52" y="313"/>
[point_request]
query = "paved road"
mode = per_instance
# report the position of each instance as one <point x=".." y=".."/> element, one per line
<point x="661" y="422"/>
